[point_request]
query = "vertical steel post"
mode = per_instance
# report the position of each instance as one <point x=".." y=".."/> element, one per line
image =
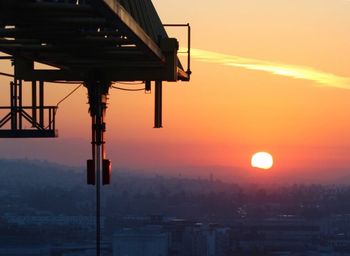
<point x="20" y="103"/>
<point x="189" y="49"/>
<point x="34" y="103"/>
<point x="158" y="105"/>
<point x="97" y="91"/>
<point x="13" y="104"/>
<point x="41" y="103"/>
<point x="98" y="192"/>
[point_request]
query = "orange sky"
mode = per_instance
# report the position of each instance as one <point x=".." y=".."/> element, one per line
<point x="228" y="112"/>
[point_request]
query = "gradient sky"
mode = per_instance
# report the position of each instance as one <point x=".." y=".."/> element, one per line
<point x="268" y="75"/>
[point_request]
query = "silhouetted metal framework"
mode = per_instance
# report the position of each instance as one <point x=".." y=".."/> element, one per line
<point x="95" y="42"/>
<point x="106" y="37"/>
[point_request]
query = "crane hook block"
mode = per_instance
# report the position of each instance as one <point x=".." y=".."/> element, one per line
<point x="91" y="175"/>
<point x="106" y="172"/>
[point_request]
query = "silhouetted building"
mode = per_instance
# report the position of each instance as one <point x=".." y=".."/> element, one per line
<point x="145" y="241"/>
<point x="25" y="251"/>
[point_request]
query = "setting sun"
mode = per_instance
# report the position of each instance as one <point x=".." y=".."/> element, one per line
<point x="262" y="160"/>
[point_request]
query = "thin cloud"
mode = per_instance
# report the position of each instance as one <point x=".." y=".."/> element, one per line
<point x="275" y="68"/>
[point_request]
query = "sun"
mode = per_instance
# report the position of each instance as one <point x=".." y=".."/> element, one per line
<point x="262" y="160"/>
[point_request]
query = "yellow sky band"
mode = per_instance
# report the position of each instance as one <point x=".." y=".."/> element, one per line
<point x="293" y="71"/>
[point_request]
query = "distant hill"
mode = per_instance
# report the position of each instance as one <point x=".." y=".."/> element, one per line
<point x="21" y="172"/>
<point x="35" y="173"/>
<point x="15" y="173"/>
<point x="32" y="186"/>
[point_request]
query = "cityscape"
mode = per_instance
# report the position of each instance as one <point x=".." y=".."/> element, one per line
<point x="148" y="214"/>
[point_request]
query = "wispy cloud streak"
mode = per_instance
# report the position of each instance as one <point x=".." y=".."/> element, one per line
<point x="275" y="68"/>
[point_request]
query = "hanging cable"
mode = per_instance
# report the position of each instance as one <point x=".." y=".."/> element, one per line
<point x="62" y="100"/>
<point x="69" y="94"/>
<point x="65" y="82"/>
<point x="129" y="90"/>
<point x="6" y="74"/>
<point x="130" y="83"/>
